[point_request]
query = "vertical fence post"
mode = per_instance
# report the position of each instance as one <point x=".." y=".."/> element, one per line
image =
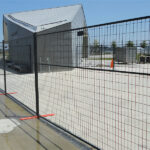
<point x="114" y="51"/>
<point x="101" y="54"/>
<point x="36" y="75"/>
<point x="4" y="67"/>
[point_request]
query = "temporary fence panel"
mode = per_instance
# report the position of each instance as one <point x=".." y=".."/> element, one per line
<point x="20" y="77"/>
<point x="94" y="79"/>
<point x="95" y="82"/>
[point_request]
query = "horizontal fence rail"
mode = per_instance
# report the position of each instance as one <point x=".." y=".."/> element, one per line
<point x="94" y="79"/>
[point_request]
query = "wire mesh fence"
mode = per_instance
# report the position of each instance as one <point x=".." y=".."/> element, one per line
<point x="126" y="42"/>
<point x="20" y="72"/>
<point x="94" y="79"/>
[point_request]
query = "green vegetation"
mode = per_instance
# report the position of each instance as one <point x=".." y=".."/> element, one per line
<point x="96" y="43"/>
<point x="114" y="45"/>
<point x="130" y="44"/>
<point x="138" y="57"/>
<point x="143" y="44"/>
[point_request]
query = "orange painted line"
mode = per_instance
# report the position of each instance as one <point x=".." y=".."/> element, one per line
<point x="8" y="93"/>
<point x="33" y="117"/>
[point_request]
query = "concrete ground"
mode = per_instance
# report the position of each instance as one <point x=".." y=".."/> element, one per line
<point x="30" y="134"/>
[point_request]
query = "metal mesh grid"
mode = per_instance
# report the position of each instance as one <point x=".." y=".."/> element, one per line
<point x="94" y="79"/>
<point x="19" y="78"/>
<point x="126" y="42"/>
<point x="106" y="105"/>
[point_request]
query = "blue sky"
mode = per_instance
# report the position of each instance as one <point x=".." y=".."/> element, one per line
<point x="96" y="11"/>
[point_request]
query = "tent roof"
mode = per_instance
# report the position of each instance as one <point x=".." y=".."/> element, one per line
<point x="39" y="20"/>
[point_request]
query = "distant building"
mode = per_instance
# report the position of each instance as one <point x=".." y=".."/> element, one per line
<point x="147" y="50"/>
<point x="125" y="54"/>
<point x="56" y="49"/>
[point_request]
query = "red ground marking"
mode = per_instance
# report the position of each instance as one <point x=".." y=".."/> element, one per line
<point x="33" y="117"/>
<point x="8" y="93"/>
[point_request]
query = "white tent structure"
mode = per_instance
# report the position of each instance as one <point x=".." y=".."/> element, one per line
<point x="20" y="27"/>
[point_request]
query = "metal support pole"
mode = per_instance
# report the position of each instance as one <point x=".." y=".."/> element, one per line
<point x="36" y="75"/>
<point x="101" y="55"/>
<point x="4" y="67"/>
<point x="114" y="49"/>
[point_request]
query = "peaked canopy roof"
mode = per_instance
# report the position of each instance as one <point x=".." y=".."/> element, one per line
<point x="39" y="20"/>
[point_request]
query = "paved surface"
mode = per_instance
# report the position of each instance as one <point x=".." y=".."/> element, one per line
<point x="30" y="134"/>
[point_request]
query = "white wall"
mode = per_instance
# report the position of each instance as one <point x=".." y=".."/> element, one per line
<point x="77" y="41"/>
